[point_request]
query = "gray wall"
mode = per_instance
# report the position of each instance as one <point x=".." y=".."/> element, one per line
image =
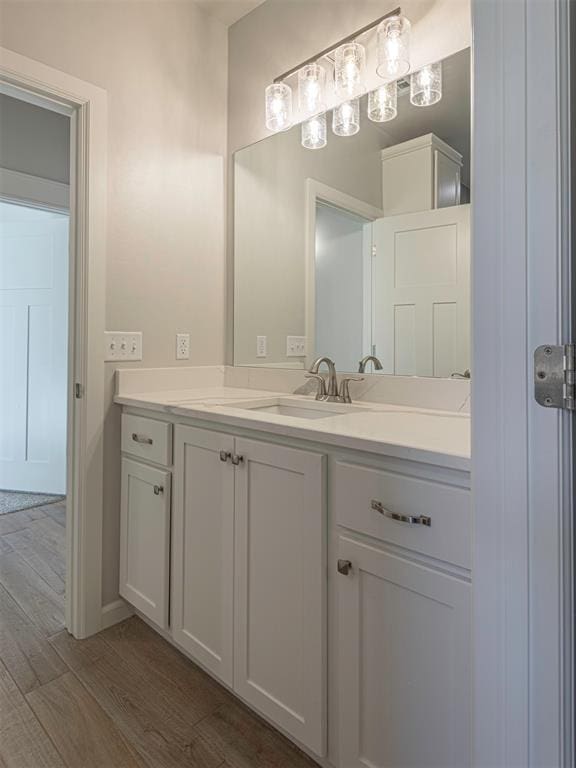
<point x="164" y="66"/>
<point x="33" y="140"/>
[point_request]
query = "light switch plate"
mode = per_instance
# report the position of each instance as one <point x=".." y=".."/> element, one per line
<point x="182" y="346"/>
<point x="123" y="345"/>
<point x="295" y="346"/>
<point x="261" y="346"/>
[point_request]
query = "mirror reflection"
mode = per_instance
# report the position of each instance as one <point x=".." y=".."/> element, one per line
<point x="359" y="251"/>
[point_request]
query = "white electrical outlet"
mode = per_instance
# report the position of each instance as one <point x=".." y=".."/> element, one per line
<point x="295" y="346"/>
<point x="122" y="345"/>
<point x="261" y="346"/>
<point x="182" y="346"/>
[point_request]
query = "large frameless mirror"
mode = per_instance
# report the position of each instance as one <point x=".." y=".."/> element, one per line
<point x="362" y="247"/>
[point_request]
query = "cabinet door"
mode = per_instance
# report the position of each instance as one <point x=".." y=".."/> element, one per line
<point x="203" y="548"/>
<point x="145" y="539"/>
<point x="279" y="663"/>
<point x="404" y="663"/>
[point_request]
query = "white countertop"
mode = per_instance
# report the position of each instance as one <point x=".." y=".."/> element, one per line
<point x="441" y="438"/>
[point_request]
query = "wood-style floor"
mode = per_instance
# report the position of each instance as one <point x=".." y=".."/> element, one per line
<point x="122" y="699"/>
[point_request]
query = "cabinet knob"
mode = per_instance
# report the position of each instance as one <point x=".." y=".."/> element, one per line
<point x="237" y="459"/>
<point x="225" y="455"/>
<point x="344" y="567"/>
<point x="158" y="489"/>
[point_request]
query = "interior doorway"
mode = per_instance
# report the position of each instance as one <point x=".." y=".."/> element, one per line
<point x="34" y="341"/>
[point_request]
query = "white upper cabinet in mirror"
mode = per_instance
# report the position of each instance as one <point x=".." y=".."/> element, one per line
<point x="361" y="247"/>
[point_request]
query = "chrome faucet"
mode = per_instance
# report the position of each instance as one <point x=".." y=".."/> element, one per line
<point x="365" y="360"/>
<point x="331" y="394"/>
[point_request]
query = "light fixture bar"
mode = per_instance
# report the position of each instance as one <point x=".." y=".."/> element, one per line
<point x="332" y="48"/>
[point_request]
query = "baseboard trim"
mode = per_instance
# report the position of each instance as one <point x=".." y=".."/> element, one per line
<point x="115" y="612"/>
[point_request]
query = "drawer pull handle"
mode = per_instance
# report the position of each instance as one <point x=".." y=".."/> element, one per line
<point x="236" y="459"/>
<point x="158" y="489"/>
<point x="409" y="519"/>
<point x="141" y="439"/>
<point x="344" y="567"/>
<point x="225" y="455"/>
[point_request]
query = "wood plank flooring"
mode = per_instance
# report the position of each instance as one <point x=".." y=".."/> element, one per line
<point x="122" y="699"/>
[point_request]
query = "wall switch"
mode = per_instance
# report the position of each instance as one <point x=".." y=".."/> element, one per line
<point x="261" y="346"/>
<point x="295" y="346"/>
<point x="182" y="346"/>
<point x="123" y="345"/>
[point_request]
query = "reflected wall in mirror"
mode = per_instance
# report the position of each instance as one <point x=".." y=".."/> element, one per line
<point x="362" y="247"/>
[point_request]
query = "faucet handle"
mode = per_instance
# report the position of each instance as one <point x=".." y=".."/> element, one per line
<point x="344" y="393"/>
<point x="321" y="391"/>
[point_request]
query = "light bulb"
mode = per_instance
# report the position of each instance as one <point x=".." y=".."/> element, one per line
<point x="346" y="118"/>
<point x="426" y="85"/>
<point x="383" y="103"/>
<point x="314" y="132"/>
<point x="311" y="85"/>
<point x="278" y="107"/>
<point x="393" y="47"/>
<point x="350" y="70"/>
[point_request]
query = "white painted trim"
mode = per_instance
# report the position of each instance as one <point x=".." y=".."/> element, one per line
<point x="115" y="612"/>
<point x="87" y="106"/>
<point x="315" y="191"/>
<point x="21" y="188"/>
<point x="521" y="453"/>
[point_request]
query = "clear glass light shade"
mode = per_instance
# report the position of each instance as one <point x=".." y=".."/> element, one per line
<point x="346" y="118"/>
<point x="383" y="103"/>
<point x="314" y="132"/>
<point x="426" y="85"/>
<point x="311" y="89"/>
<point x="393" y="47"/>
<point x="350" y="70"/>
<point x="278" y="107"/>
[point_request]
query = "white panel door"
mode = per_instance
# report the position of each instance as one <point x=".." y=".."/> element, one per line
<point x="33" y="349"/>
<point x="421" y="292"/>
<point x="280" y="606"/>
<point x="145" y="539"/>
<point x="203" y="548"/>
<point x="403" y="663"/>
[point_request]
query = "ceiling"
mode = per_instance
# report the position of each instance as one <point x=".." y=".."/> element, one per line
<point x="229" y="11"/>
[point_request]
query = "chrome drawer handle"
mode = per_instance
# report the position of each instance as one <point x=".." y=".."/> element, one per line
<point x="409" y="519"/>
<point x="158" y="489"/>
<point x="141" y="439"/>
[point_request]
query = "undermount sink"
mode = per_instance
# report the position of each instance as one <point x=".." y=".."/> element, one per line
<point x="313" y="409"/>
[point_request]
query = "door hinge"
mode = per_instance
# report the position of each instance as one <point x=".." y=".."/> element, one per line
<point x="555" y="376"/>
<point x="78" y="391"/>
<point x="373" y="251"/>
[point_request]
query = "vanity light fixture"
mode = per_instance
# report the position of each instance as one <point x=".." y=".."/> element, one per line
<point x="278" y="107"/>
<point x="350" y="70"/>
<point x="346" y="118"/>
<point x="383" y="103"/>
<point x="393" y="47"/>
<point x="314" y="132"/>
<point x="311" y="89"/>
<point x="349" y="58"/>
<point x="426" y="85"/>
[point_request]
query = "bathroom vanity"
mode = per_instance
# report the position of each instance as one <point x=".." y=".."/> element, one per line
<point x="314" y="558"/>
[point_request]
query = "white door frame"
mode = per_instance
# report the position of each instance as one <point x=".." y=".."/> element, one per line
<point x="521" y="452"/>
<point x="86" y="104"/>
<point x="317" y="191"/>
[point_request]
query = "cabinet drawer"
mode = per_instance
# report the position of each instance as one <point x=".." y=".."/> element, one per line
<point x="366" y="499"/>
<point x="147" y="438"/>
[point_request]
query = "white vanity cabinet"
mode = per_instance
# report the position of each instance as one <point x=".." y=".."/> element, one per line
<point x="320" y="585"/>
<point x="249" y="573"/>
<point x="403" y="604"/>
